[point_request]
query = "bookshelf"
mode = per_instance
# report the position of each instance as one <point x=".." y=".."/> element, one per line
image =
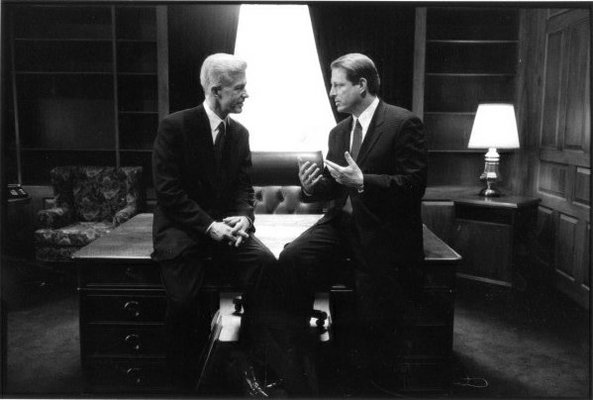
<point x="465" y="55"/>
<point x="89" y="83"/>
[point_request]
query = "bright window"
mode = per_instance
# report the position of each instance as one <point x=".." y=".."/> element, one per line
<point x="288" y="108"/>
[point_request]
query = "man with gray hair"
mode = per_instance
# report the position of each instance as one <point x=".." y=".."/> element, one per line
<point x="205" y="201"/>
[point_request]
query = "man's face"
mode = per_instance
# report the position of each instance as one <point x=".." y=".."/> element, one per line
<point x="345" y="94"/>
<point x="233" y="94"/>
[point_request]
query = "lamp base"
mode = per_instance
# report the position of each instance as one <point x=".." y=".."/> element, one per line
<point x="490" y="174"/>
<point x="490" y="192"/>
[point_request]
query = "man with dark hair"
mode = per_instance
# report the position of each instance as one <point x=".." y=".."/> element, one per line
<point x="375" y="176"/>
<point x="205" y="201"/>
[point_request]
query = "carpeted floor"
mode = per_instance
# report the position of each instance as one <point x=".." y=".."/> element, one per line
<point x="527" y="345"/>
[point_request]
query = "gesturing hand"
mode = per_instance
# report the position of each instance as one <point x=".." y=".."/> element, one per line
<point x="239" y="226"/>
<point x="350" y="175"/>
<point x="309" y="174"/>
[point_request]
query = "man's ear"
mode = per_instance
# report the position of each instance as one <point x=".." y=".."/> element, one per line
<point x="363" y="86"/>
<point x="214" y="90"/>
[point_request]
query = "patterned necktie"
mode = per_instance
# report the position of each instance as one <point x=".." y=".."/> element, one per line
<point x="356" y="140"/>
<point x="219" y="144"/>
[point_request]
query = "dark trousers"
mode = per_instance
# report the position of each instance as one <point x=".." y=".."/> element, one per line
<point x="311" y="262"/>
<point x="183" y="277"/>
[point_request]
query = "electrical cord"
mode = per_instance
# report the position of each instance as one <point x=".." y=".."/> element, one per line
<point x="462" y="379"/>
<point x="478" y="383"/>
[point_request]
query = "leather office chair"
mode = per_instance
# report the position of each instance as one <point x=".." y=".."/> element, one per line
<point x="276" y="182"/>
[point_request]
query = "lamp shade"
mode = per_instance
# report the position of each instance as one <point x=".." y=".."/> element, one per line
<point x="495" y="126"/>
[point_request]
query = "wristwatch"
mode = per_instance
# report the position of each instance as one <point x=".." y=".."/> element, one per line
<point x="360" y="189"/>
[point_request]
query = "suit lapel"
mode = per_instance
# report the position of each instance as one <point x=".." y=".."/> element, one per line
<point x="345" y="138"/>
<point x="373" y="134"/>
<point x="201" y="141"/>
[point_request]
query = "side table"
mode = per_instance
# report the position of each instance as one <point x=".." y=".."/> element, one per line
<point x="492" y="235"/>
<point x="19" y="228"/>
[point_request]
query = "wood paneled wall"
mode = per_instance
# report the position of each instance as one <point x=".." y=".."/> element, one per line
<point x="555" y="121"/>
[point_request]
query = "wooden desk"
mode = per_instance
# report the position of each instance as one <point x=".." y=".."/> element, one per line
<point x="122" y="305"/>
<point x="132" y="241"/>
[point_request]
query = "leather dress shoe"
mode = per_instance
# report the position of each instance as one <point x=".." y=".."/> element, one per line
<point x="244" y="372"/>
<point x="252" y="387"/>
<point x="276" y="389"/>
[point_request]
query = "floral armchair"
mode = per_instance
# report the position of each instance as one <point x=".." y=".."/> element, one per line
<point x="89" y="201"/>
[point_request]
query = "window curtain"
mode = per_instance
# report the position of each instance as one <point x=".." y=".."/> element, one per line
<point x="196" y="31"/>
<point x="382" y="31"/>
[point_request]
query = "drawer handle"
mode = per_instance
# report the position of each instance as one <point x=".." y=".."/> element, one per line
<point x="135" y="375"/>
<point x="133" y="340"/>
<point x="132" y="308"/>
<point x="130" y="272"/>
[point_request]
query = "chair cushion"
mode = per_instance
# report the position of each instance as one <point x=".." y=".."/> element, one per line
<point x="99" y="192"/>
<point x="53" y="218"/>
<point x="75" y="235"/>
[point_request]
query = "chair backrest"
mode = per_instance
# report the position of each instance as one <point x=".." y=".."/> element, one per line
<point x="284" y="200"/>
<point x="280" y="168"/>
<point x="96" y="193"/>
<point x="275" y="176"/>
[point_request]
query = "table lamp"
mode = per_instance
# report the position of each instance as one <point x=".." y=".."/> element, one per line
<point x="495" y="127"/>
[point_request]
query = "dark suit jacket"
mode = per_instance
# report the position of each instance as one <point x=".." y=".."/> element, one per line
<point x="386" y="216"/>
<point x="189" y="194"/>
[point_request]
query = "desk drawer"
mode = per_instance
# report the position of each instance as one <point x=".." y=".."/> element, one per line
<point x="487" y="214"/>
<point x="134" y="275"/>
<point x="126" y="340"/>
<point x="427" y="341"/>
<point x="119" y="375"/>
<point x="101" y="306"/>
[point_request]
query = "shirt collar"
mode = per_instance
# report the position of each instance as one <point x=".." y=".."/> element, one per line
<point x="214" y="119"/>
<point x="367" y="115"/>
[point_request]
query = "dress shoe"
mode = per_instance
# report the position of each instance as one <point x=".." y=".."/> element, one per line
<point x="252" y="387"/>
<point x="244" y="372"/>
<point x="276" y="389"/>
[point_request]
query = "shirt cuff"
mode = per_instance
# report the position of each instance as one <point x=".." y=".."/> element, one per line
<point x="209" y="226"/>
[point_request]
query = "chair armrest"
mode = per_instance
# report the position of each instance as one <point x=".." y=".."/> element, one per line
<point x="124" y="214"/>
<point x="54" y="218"/>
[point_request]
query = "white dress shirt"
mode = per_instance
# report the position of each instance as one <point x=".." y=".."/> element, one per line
<point x="365" y="119"/>
<point x="215" y="121"/>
